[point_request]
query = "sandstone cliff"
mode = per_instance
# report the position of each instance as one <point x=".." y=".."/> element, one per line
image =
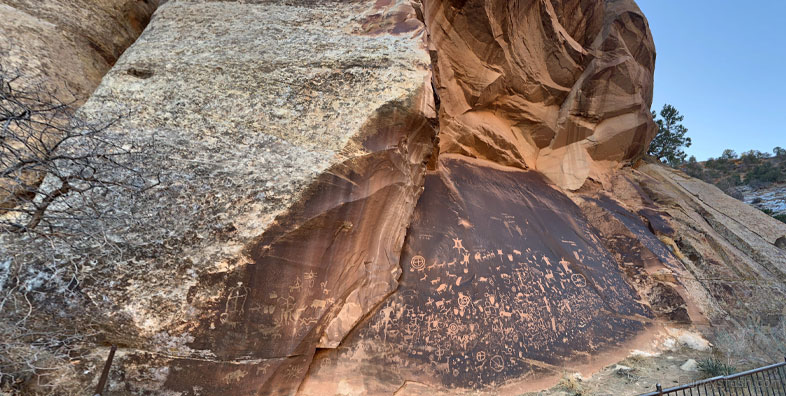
<point x="372" y="197"/>
<point x="563" y="87"/>
<point x="68" y="44"/>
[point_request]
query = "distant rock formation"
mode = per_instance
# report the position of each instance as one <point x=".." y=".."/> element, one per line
<point x="426" y="197"/>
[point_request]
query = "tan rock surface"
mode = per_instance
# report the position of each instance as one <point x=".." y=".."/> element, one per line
<point x="293" y="139"/>
<point x="728" y="247"/>
<point x="563" y="87"/>
<point x="65" y="46"/>
<point x="69" y="44"/>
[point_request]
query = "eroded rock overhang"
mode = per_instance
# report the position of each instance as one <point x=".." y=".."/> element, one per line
<point x="563" y="87"/>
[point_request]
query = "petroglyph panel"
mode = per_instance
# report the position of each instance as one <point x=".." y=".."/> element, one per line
<point x="503" y="279"/>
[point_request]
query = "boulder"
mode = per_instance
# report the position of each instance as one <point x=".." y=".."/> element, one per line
<point x="690" y="365"/>
<point x="292" y="153"/>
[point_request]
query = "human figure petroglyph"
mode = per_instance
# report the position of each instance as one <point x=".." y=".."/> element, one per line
<point x="566" y="265"/>
<point x="286" y="313"/>
<point x="296" y="286"/>
<point x="309" y="278"/>
<point x="465" y="259"/>
<point x="236" y="299"/>
<point x="459" y="245"/>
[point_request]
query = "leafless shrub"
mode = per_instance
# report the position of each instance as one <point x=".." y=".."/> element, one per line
<point x="754" y="341"/>
<point x="61" y="176"/>
<point x="53" y="163"/>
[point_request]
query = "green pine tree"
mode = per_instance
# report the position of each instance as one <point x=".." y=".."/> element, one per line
<point x="668" y="143"/>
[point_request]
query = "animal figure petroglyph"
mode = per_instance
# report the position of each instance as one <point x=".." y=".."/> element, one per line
<point x="234" y="376"/>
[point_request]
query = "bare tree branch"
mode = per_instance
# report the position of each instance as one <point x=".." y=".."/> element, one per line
<point x="51" y="161"/>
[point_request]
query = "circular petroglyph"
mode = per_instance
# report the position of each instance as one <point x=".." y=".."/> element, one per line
<point x="579" y="280"/>
<point x="463" y="301"/>
<point x="497" y="363"/>
<point x="418" y="263"/>
<point x="453" y="329"/>
<point x="480" y="356"/>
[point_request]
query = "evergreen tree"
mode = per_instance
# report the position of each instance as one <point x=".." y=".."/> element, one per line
<point x="729" y="154"/>
<point x="668" y="143"/>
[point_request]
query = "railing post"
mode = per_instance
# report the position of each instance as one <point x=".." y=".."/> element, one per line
<point x="659" y="389"/>
<point x="105" y="373"/>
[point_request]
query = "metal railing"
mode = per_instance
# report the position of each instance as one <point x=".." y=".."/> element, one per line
<point x="764" y="381"/>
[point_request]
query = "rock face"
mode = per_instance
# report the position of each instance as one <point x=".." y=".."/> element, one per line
<point x="68" y="44"/>
<point x="302" y="147"/>
<point x="504" y="282"/>
<point x="65" y="46"/>
<point x="563" y="87"/>
<point x="330" y="223"/>
<point x="735" y="269"/>
<point x="301" y="143"/>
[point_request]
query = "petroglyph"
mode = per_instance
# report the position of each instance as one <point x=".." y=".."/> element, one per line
<point x="418" y="263"/>
<point x="234" y="376"/>
<point x="492" y="302"/>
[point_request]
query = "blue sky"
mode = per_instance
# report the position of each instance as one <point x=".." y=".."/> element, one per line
<point x="722" y="64"/>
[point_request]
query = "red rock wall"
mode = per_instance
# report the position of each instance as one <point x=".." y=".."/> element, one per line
<point x="563" y="87"/>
